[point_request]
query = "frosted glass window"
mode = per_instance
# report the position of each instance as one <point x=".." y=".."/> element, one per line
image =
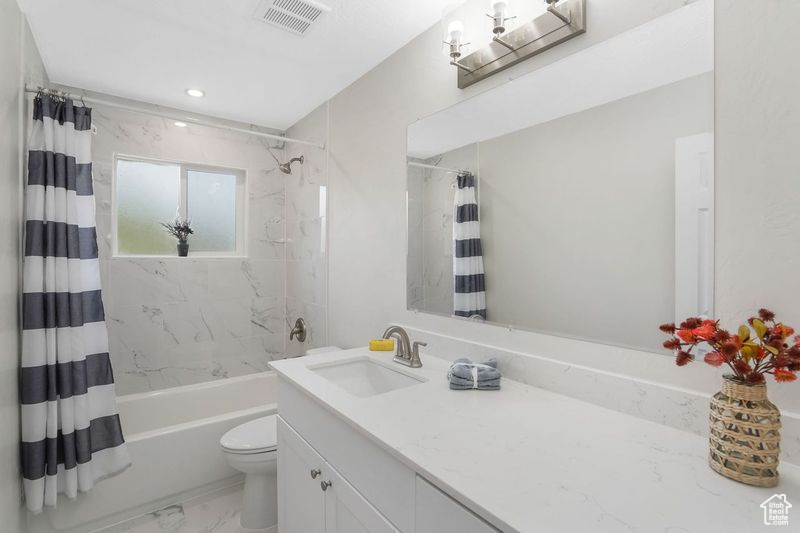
<point x="147" y="194"/>
<point x="211" y="204"/>
<point x="151" y="192"/>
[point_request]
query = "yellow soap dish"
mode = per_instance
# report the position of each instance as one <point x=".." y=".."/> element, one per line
<point x="381" y="345"/>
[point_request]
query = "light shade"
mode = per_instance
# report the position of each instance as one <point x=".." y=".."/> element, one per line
<point x="498" y="7"/>
<point x="197" y="93"/>
<point x="455" y="30"/>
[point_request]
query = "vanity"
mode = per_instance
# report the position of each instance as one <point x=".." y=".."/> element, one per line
<point x="367" y="445"/>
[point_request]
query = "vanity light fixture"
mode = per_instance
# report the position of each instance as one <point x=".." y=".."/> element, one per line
<point x="563" y="20"/>
<point x="499" y="9"/>
<point x="455" y="33"/>
<point x="196" y="93"/>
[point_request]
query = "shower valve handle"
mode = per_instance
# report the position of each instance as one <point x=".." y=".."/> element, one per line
<point x="298" y="330"/>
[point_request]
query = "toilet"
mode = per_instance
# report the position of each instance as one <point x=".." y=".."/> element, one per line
<point x="252" y="448"/>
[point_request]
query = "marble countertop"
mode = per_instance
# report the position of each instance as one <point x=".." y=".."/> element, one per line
<point x="526" y="459"/>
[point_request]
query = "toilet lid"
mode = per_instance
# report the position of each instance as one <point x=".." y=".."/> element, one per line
<point x="258" y="435"/>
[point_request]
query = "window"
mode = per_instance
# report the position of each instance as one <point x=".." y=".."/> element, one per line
<point x="149" y="192"/>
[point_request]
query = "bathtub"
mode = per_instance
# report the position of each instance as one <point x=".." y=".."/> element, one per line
<point x="173" y="437"/>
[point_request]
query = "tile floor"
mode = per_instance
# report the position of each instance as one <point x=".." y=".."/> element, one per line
<point x="217" y="512"/>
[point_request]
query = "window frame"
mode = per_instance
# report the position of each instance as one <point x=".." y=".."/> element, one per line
<point x="240" y="250"/>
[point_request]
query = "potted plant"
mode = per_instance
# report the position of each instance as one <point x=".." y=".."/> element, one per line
<point x="744" y="426"/>
<point x="180" y="229"/>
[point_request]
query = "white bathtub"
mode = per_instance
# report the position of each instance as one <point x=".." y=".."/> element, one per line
<point x="173" y="437"/>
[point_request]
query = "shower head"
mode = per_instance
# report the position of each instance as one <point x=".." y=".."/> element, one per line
<point x="286" y="168"/>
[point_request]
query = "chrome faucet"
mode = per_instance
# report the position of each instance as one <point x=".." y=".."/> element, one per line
<point x="407" y="353"/>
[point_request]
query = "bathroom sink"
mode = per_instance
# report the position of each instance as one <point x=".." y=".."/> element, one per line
<point x="365" y="377"/>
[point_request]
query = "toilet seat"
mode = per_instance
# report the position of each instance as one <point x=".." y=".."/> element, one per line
<point x="257" y="436"/>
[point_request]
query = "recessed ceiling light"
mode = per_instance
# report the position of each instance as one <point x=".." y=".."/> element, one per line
<point x="197" y="93"/>
<point x="181" y="124"/>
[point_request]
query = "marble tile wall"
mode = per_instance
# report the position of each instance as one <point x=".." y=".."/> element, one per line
<point x="178" y="321"/>
<point x="431" y="195"/>
<point x="307" y="222"/>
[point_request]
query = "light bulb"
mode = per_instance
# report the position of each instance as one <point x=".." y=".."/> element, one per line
<point x="196" y="93"/>
<point x="498" y="8"/>
<point x="180" y="124"/>
<point x="455" y="31"/>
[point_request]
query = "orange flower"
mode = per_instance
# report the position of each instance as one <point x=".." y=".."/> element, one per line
<point x="782" y="331"/>
<point x="783" y="375"/>
<point x="706" y="330"/>
<point x="686" y="335"/>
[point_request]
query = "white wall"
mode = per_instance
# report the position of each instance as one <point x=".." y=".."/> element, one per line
<point x="19" y="62"/>
<point x="756" y="125"/>
<point x="758" y="158"/>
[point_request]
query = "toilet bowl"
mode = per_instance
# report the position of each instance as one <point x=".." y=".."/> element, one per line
<point x="251" y="448"/>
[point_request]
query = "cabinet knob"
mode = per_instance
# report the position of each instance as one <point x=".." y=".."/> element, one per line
<point x="325" y="484"/>
<point x="315" y="472"/>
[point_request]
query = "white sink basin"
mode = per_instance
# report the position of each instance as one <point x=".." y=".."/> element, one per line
<point x="365" y="377"/>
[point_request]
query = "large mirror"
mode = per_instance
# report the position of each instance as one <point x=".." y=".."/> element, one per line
<point x="577" y="200"/>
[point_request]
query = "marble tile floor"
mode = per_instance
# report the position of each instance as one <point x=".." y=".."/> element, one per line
<point x="217" y="512"/>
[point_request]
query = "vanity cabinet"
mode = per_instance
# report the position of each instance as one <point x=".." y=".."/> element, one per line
<point x="438" y="513"/>
<point x="314" y="498"/>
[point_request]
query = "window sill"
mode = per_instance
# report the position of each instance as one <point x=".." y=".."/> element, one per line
<point x="190" y="256"/>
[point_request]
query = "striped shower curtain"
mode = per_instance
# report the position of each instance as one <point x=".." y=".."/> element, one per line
<point x="71" y="434"/>
<point x="469" y="296"/>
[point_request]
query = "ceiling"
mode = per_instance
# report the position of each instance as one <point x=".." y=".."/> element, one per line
<point x="153" y="50"/>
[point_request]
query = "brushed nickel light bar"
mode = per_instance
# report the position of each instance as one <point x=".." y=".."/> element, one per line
<point x="563" y="20"/>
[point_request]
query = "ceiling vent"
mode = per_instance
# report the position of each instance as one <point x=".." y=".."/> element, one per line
<point x="296" y="16"/>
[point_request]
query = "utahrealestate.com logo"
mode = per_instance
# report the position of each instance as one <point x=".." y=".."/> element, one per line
<point x="776" y="510"/>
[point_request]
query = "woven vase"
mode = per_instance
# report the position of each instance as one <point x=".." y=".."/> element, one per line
<point x="745" y="434"/>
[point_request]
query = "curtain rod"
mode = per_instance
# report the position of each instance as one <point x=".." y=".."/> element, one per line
<point x="188" y="119"/>
<point x="434" y="167"/>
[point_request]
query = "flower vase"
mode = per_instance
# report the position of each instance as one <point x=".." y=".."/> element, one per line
<point x="744" y="434"/>
<point x="183" y="248"/>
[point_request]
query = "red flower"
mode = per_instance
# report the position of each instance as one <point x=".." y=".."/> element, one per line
<point x="691" y="323"/>
<point x="754" y="377"/>
<point x="782" y="360"/>
<point x="672" y="344"/>
<point x="667" y="328"/>
<point x="683" y="358"/>
<point x="729" y="349"/>
<point x="686" y="335"/>
<point x="721" y="336"/>
<point x="741" y="367"/>
<point x="783" y="375"/>
<point x="714" y="358"/>
<point x="766" y="314"/>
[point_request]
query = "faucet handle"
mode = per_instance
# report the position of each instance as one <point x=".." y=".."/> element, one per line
<point x="415" y="360"/>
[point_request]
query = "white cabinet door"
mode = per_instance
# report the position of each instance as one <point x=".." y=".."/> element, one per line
<point x="301" y="501"/>
<point x="346" y="510"/>
<point x="437" y="512"/>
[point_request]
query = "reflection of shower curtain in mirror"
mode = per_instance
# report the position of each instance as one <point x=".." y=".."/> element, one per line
<point x="469" y="296"/>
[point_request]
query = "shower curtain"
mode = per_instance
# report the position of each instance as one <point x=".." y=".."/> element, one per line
<point x="71" y="433"/>
<point x="469" y="296"/>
